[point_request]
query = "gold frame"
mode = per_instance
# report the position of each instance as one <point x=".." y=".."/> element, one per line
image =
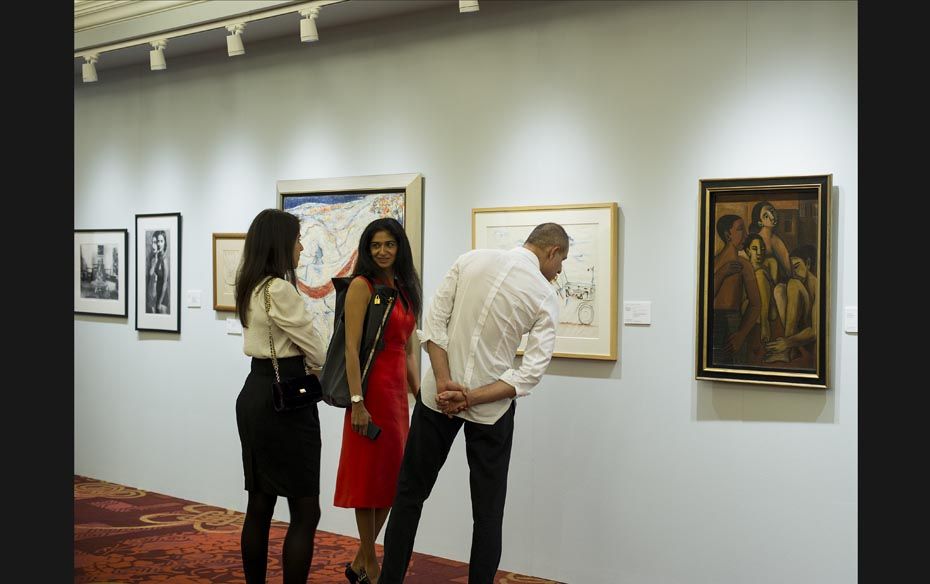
<point x="216" y="301"/>
<point x="604" y="346"/>
<point x="810" y="187"/>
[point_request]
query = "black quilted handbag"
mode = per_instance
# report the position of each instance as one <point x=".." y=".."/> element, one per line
<point x="290" y="394"/>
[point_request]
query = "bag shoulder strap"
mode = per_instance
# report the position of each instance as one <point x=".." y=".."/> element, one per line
<point x="375" y="299"/>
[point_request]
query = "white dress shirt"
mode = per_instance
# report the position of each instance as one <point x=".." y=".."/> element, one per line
<point x="292" y="326"/>
<point x="485" y="304"/>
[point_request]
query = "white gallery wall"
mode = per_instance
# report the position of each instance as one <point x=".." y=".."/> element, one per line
<point x="630" y="468"/>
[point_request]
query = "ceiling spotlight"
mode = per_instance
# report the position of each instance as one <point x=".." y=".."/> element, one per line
<point x="88" y="70"/>
<point x="308" y="32"/>
<point x="234" y="40"/>
<point x="157" y="55"/>
<point x="468" y="5"/>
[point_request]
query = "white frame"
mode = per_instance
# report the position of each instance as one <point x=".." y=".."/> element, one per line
<point x="411" y="185"/>
<point x="170" y="322"/>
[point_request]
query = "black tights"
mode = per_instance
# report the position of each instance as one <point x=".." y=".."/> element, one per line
<point x="298" y="543"/>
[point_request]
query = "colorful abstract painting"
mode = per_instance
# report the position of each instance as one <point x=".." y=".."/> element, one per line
<point x="330" y="227"/>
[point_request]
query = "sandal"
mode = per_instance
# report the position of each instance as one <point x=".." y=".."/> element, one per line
<point x="354" y="577"/>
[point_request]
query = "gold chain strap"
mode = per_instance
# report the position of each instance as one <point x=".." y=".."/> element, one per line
<point x="274" y="356"/>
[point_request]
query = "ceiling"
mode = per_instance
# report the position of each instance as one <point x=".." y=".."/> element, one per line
<point x="101" y="25"/>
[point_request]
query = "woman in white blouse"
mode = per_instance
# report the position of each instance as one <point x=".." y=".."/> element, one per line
<point x="280" y="450"/>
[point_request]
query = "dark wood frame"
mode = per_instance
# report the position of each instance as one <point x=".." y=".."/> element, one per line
<point x="812" y="195"/>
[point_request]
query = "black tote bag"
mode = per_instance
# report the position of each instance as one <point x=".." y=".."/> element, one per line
<point x="334" y="383"/>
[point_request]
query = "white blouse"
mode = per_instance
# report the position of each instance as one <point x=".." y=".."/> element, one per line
<point x="292" y="326"/>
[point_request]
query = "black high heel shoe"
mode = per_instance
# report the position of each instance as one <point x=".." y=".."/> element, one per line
<point x="352" y="576"/>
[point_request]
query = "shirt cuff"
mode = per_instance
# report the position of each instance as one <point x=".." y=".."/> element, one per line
<point x="511" y="377"/>
<point x="424" y="336"/>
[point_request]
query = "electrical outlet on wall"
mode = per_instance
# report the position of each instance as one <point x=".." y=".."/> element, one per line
<point x="851" y="320"/>
<point x="233" y="326"/>
<point x="193" y="298"/>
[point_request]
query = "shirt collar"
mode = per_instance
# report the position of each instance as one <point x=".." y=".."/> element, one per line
<point x="527" y="254"/>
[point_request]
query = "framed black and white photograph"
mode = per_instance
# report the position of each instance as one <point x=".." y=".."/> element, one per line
<point x="100" y="257"/>
<point x="158" y="272"/>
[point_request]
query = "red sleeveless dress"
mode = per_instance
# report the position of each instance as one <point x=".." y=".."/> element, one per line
<point x="368" y="469"/>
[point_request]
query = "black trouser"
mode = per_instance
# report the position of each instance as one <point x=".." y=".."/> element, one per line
<point x="488" y="450"/>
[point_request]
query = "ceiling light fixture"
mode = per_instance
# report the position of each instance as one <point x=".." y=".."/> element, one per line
<point x="157" y="55"/>
<point x="468" y="5"/>
<point x="88" y="70"/>
<point x="308" y="32"/>
<point x="234" y="46"/>
<point x="234" y="40"/>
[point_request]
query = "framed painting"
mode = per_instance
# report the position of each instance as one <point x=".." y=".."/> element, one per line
<point x="333" y="212"/>
<point x="100" y="272"/>
<point x="227" y="252"/>
<point x="587" y="286"/>
<point x="764" y="280"/>
<point x="158" y="272"/>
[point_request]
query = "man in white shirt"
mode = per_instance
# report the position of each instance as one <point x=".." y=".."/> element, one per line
<point x="485" y="304"/>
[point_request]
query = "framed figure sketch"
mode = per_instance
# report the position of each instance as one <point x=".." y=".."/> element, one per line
<point x="764" y="280"/>
<point x="227" y="252"/>
<point x="333" y="212"/>
<point x="158" y="272"/>
<point x="587" y="286"/>
<point x="100" y="272"/>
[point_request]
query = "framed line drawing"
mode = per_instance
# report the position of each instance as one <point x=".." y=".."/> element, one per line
<point x="100" y="261"/>
<point x="587" y="286"/>
<point x="158" y="272"/>
<point x="764" y="281"/>
<point x="333" y="212"/>
<point x="227" y="252"/>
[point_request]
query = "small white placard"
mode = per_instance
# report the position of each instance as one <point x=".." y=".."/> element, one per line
<point x="193" y="298"/>
<point x="637" y="312"/>
<point x="852" y="319"/>
<point x="233" y="326"/>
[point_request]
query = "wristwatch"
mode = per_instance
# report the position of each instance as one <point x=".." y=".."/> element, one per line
<point x="356" y="399"/>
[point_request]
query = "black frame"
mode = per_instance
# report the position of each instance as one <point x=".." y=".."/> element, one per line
<point x="176" y="286"/>
<point x="809" y="192"/>
<point x="124" y="269"/>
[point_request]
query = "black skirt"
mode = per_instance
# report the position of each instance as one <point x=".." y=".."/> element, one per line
<point x="280" y="450"/>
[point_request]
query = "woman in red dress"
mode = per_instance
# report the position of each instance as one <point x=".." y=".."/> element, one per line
<point x="368" y="469"/>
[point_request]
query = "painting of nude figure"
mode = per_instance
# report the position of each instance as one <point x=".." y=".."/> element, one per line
<point x="763" y="282"/>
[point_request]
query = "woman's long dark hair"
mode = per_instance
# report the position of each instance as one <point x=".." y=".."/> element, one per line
<point x="756" y="216"/>
<point x="406" y="275"/>
<point x="269" y="251"/>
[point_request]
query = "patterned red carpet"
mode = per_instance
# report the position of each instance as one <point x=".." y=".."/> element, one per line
<point x="128" y="536"/>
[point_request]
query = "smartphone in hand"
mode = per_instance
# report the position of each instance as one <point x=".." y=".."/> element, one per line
<point x="373" y="430"/>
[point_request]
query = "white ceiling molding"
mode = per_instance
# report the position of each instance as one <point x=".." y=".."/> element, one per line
<point x="116" y="22"/>
<point x="120" y="32"/>
<point x="93" y="13"/>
